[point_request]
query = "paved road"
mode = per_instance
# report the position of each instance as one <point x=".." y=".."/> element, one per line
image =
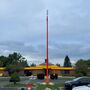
<point x="8" y="89"/>
<point x="5" y="81"/>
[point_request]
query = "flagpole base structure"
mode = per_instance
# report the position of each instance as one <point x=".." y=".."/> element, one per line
<point x="49" y="83"/>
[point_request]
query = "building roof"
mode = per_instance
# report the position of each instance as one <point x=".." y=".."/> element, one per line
<point x="43" y="66"/>
<point x="2" y="68"/>
<point x="50" y="66"/>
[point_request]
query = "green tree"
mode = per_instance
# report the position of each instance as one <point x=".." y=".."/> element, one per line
<point x="14" y="68"/>
<point x="81" y="68"/>
<point x="17" y="58"/>
<point x="58" y="64"/>
<point x="67" y="62"/>
<point x="32" y="65"/>
<point x="1" y="64"/>
<point x="3" y="61"/>
<point x="88" y="62"/>
<point x="13" y="59"/>
<point x="15" y="78"/>
<point x="16" y="62"/>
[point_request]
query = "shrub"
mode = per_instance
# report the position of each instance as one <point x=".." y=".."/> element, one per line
<point x="53" y="76"/>
<point x="40" y="76"/>
<point x="15" y="78"/>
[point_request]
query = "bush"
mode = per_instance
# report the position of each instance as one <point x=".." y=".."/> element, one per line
<point x="79" y="75"/>
<point x="53" y="76"/>
<point x="56" y="76"/>
<point x="14" y="78"/>
<point x="13" y="68"/>
<point x="28" y="73"/>
<point x="40" y="76"/>
<point x="81" y="68"/>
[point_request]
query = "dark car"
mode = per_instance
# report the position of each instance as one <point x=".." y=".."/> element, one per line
<point x="77" y="82"/>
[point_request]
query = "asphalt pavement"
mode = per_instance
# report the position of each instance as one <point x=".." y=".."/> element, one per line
<point x="5" y="81"/>
<point x="8" y="89"/>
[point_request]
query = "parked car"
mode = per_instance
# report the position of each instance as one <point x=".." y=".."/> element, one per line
<point x="82" y="88"/>
<point x="69" y="85"/>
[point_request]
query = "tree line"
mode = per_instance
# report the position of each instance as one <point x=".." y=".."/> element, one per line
<point x="13" y="59"/>
<point x="82" y="66"/>
<point x="15" y="62"/>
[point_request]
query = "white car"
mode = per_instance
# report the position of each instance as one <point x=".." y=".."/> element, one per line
<point x="82" y="88"/>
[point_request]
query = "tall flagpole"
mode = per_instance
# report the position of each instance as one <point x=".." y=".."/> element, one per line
<point x="47" y="79"/>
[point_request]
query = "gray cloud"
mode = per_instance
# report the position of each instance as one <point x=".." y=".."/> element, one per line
<point x="22" y="28"/>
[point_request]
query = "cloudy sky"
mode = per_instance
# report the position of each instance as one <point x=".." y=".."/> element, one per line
<point x="23" y="25"/>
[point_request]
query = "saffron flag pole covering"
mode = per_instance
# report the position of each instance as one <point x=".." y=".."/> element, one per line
<point x="47" y="79"/>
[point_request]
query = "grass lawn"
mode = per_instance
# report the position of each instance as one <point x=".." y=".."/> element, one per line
<point x="53" y="87"/>
<point x="38" y="86"/>
<point x="17" y="85"/>
<point x="56" y="86"/>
